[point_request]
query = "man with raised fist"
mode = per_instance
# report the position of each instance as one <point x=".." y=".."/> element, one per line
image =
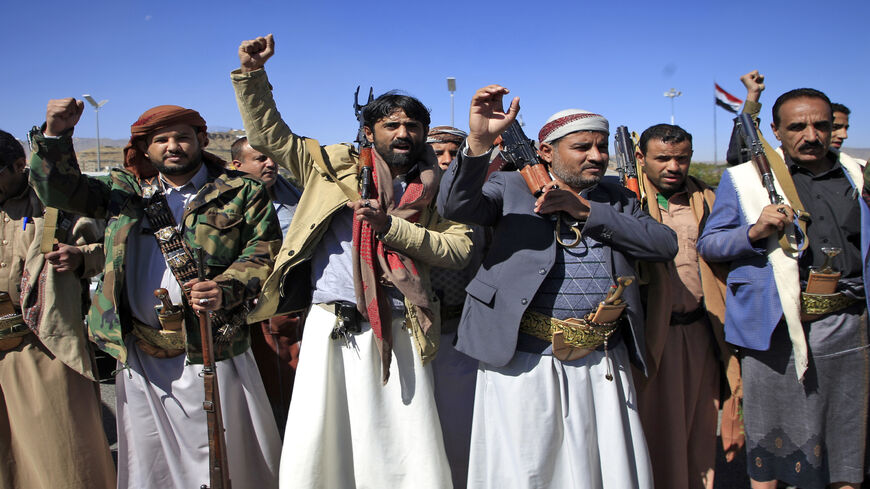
<point x="362" y="413"/>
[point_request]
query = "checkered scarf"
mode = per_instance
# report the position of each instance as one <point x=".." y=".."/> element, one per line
<point x="376" y="266"/>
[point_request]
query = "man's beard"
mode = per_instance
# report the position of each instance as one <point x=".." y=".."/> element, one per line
<point x="192" y="164"/>
<point x="399" y="160"/>
<point x="574" y="181"/>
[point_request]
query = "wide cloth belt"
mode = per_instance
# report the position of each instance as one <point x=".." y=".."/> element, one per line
<point x="579" y="333"/>
<point x="680" y="318"/>
<point x="159" y="343"/>
<point x="820" y="304"/>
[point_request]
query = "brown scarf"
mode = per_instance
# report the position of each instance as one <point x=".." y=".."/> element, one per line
<point x="376" y="266"/>
<point x="658" y="312"/>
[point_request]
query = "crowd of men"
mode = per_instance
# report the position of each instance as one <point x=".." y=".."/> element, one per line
<point x="416" y="313"/>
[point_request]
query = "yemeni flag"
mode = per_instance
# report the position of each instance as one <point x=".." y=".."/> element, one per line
<point x="726" y="100"/>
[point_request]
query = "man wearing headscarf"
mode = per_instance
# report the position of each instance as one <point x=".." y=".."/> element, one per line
<point x="171" y="198"/>
<point x="363" y="411"/>
<point x="555" y="404"/>
<point x="51" y="431"/>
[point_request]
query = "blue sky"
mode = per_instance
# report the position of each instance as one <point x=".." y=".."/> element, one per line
<point x="615" y="58"/>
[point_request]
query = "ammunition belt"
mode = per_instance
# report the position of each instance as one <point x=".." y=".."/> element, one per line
<point x="579" y="333"/>
<point x="820" y="304"/>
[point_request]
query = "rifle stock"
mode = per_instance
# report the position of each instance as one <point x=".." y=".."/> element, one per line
<point x="756" y="151"/>
<point x="626" y="163"/>
<point x="218" y="468"/>
<point x="366" y="164"/>
<point x="520" y="150"/>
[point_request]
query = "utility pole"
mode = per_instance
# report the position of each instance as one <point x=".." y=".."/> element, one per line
<point x="96" y="105"/>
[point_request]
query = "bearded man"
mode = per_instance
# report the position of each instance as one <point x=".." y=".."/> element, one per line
<point x="555" y="404"/>
<point x="172" y="197"/>
<point x="804" y="350"/>
<point x="51" y="431"/>
<point x="362" y="413"/>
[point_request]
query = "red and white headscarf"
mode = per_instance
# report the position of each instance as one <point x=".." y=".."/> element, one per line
<point x="572" y="120"/>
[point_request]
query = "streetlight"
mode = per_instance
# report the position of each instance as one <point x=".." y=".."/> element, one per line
<point x="672" y="93"/>
<point x="451" y="87"/>
<point x="96" y="105"/>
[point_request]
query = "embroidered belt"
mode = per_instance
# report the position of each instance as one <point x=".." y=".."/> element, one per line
<point x="159" y="343"/>
<point x="579" y="333"/>
<point x="814" y="305"/>
<point x="12" y="331"/>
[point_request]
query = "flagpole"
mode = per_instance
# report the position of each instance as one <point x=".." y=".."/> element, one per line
<point x="715" y="145"/>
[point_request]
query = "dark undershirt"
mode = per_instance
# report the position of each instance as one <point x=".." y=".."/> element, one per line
<point x="835" y="218"/>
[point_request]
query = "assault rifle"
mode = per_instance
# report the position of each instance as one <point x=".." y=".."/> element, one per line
<point x="520" y="150"/>
<point x="626" y="163"/>
<point x="756" y="151"/>
<point x="218" y="468"/>
<point x="751" y="139"/>
<point x="365" y="147"/>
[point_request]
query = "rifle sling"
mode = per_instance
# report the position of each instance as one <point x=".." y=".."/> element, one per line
<point x="49" y="230"/>
<point x="316" y="152"/>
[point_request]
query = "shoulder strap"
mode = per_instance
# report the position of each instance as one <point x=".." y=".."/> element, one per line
<point x="783" y="176"/>
<point x="316" y="152"/>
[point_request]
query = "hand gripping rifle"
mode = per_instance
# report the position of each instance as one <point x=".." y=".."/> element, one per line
<point x="365" y="147"/>
<point x="218" y="468"/>
<point x="626" y="163"/>
<point x="751" y="139"/>
<point x="520" y="150"/>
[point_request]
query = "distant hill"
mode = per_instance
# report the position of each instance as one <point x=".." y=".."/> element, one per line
<point x="863" y="153"/>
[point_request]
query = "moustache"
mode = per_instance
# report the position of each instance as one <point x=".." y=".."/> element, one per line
<point x="810" y="145"/>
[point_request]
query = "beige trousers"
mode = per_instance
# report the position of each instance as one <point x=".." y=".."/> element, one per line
<point x="51" y="432"/>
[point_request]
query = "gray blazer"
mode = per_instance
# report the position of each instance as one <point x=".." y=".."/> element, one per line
<point x="523" y="250"/>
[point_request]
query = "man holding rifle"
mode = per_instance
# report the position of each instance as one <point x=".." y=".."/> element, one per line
<point x="171" y="199"/>
<point x="554" y="320"/>
<point x="796" y="302"/>
<point x="363" y="412"/>
<point x="685" y="307"/>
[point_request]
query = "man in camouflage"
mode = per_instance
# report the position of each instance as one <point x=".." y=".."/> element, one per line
<point x="51" y="432"/>
<point x="161" y="425"/>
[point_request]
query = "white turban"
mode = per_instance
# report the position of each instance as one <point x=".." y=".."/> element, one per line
<point x="572" y="120"/>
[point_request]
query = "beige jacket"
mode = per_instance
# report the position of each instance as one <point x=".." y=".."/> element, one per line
<point x="432" y="241"/>
<point x="60" y="324"/>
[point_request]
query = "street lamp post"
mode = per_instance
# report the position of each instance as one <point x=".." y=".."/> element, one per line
<point x="672" y="94"/>
<point x="451" y="87"/>
<point x="96" y="105"/>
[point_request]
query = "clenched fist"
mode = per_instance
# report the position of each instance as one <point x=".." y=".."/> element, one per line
<point x="254" y="53"/>
<point x="754" y="83"/>
<point x="62" y="114"/>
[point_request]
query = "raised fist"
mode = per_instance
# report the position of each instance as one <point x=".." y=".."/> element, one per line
<point x="754" y="83"/>
<point x="62" y="114"/>
<point x="254" y="53"/>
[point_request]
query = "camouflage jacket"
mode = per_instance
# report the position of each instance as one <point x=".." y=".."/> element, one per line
<point x="231" y="218"/>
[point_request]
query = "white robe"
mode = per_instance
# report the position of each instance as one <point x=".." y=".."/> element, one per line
<point x="345" y="429"/>
<point x="540" y="423"/>
<point x="162" y="428"/>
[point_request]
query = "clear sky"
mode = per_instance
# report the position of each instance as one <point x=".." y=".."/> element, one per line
<point x="612" y="57"/>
